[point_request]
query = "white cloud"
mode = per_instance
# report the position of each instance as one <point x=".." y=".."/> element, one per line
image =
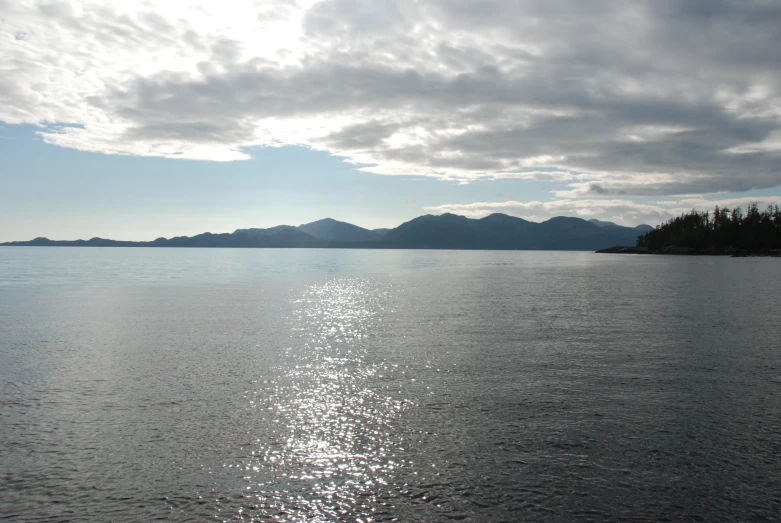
<point x="707" y="204"/>
<point x="540" y="176"/>
<point x="622" y="212"/>
<point x="619" y="211"/>
<point x="617" y="99"/>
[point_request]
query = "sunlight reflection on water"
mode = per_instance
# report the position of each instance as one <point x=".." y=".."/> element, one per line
<point x="336" y="450"/>
<point x="420" y="386"/>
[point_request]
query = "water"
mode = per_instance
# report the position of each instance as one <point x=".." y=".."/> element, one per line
<point x="328" y="385"/>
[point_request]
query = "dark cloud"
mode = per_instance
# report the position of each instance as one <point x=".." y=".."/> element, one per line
<point x="643" y="98"/>
<point x="361" y="136"/>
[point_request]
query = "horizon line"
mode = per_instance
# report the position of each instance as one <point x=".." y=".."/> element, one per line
<point x="324" y="219"/>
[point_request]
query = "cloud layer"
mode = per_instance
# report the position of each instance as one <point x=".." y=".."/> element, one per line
<point x="622" y="212"/>
<point x="615" y="99"/>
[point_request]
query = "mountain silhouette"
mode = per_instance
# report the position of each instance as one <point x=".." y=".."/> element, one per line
<point x="279" y="236"/>
<point x="640" y="229"/>
<point x="603" y="223"/>
<point x="332" y="230"/>
<point x="500" y="231"/>
<point x="446" y="231"/>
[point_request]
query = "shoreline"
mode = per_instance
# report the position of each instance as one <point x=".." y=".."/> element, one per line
<point x="687" y="251"/>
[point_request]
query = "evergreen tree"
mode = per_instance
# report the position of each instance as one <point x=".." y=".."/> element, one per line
<point x="757" y="230"/>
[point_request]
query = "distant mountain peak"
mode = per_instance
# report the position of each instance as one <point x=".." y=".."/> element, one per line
<point x="329" y="229"/>
<point x="561" y="219"/>
<point x="502" y="216"/>
<point x="444" y="231"/>
<point x="603" y="223"/>
<point x="450" y="216"/>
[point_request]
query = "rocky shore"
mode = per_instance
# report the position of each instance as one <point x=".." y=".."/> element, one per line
<point x="687" y="251"/>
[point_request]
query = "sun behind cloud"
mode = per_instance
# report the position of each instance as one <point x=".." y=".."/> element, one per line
<point x="617" y="100"/>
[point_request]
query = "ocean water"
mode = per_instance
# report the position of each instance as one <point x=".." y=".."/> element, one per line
<point x="347" y="385"/>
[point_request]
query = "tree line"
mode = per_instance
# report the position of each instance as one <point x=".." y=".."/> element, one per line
<point x="719" y="231"/>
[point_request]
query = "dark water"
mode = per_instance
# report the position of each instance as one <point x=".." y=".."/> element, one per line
<point x="309" y="385"/>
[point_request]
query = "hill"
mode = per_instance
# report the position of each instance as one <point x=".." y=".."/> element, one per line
<point x="640" y="229"/>
<point x="446" y="231"/>
<point x="332" y="230"/>
<point x="500" y="231"/>
<point x="724" y="231"/>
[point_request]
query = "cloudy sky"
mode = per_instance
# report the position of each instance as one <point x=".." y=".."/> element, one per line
<point x="135" y="120"/>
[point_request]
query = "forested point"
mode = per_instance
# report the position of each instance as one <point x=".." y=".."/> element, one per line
<point x="724" y="231"/>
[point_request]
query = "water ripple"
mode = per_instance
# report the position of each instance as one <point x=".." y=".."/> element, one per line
<point x="337" y="448"/>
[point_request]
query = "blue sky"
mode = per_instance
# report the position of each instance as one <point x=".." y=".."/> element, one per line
<point x="62" y="193"/>
<point x="133" y="120"/>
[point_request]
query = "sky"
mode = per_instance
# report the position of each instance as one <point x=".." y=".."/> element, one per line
<point x="139" y="119"/>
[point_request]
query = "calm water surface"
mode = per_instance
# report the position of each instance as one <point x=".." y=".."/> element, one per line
<point x="330" y="385"/>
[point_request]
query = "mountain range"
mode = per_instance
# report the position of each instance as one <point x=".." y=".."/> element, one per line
<point x="445" y="231"/>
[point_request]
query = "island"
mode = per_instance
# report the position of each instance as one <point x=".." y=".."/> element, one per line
<point x="723" y="232"/>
